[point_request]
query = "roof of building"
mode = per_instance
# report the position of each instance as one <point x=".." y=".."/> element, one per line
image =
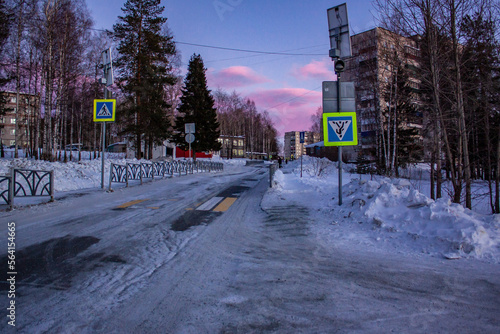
<point x="318" y="144"/>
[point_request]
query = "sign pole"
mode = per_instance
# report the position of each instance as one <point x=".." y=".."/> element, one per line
<point x="339" y="147"/>
<point x="107" y="80"/>
<point x="302" y="148"/>
<point x="103" y="142"/>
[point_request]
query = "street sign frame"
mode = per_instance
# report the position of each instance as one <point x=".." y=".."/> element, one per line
<point x="347" y="96"/>
<point x="189" y="128"/>
<point x="349" y="137"/>
<point x="189" y="138"/>
<point x="110" y="104"/>
<point x="338" y="25"/>
<point x="302" y="137"/>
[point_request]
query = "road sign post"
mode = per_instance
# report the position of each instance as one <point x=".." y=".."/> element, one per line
<point x="104" y="110"/>
<point x="189" y="129"/>
<point x="340" y="47"/>
<point x="302" y="139"/>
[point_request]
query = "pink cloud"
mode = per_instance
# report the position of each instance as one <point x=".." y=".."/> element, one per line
<point x="322" y="70"/>
<point x="289" y="108"/>
<point x="235" y="76"/>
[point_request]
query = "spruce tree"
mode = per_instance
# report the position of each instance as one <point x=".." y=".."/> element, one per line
<point x="197" y="106"/>
<point x="144" y="70"/>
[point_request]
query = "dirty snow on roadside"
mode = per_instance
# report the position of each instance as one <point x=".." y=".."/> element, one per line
<point x="383" y="214"/>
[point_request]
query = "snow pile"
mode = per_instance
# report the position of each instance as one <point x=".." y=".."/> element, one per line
<point x="385" y="214"/>
<point x="85" y="174"/>
<point x="395" y="207"/>
<point x="67" y="176"/>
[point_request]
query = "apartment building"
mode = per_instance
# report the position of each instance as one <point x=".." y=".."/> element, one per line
<point x="293" y="148"/>
<point x="232" y="146"/>
<point x="27" y="104"/>
<point x="376" y="54"/>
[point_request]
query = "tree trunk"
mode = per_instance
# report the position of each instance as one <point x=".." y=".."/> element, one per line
<point x="460" y="107"/>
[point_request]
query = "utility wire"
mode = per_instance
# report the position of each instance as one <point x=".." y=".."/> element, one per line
<point x="294" y="98"/>
<point x="251" y="51"/>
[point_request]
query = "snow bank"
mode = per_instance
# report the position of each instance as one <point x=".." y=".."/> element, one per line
<point x="70" y="176"/>
<point x="383" y="213"/>
<point x="395" y="207"/>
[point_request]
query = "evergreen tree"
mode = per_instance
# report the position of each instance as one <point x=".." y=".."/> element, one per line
<point x="144" y="70"/>
<point x="197" y="106"/>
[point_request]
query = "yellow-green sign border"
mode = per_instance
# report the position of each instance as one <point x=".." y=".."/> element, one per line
<point x="113" y="113"/>
<point x="354" y="124"/>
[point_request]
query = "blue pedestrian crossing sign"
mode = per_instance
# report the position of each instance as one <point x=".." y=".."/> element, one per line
<point x="340" y="129"/>
<point x="104" y="110"/>
<point x="302" y="137"/>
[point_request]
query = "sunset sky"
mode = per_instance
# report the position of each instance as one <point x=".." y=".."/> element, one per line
<point x="287" y="86"/>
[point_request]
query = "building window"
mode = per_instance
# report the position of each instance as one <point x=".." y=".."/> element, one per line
<point x="13" y="99"/>
<point x="13" y="121"/>
<point x="13" y="131"/>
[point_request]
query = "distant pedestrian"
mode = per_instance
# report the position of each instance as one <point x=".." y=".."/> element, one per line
<point x="279" y="162"/>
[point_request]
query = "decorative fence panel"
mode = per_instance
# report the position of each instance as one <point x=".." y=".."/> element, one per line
<point x="26" y="183"/>
<point x="148" y="170"/>
<point x="33" y="183"/>
<point x="134" y="172"/>
<point x="118" y="174"/>
<point x="159" y="169"/>
<point x="5" y="185"/>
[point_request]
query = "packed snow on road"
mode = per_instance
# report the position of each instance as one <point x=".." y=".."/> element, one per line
<point x="387" y="258"/>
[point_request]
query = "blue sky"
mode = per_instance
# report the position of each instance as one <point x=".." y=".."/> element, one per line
<point x="288" y="87"/>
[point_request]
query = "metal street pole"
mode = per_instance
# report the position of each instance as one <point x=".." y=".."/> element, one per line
<point x="103" y="136"/>
<point x="302" y="153"/>
<point x="339" y="147"/>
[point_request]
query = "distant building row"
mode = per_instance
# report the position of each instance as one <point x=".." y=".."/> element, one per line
<point x="371" y="68"/>
<point x="292" y="145"/>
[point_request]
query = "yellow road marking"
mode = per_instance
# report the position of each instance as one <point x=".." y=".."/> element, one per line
<point x="189" y="209"/>
<point x="225" y="204"/>
<point x="154" y="207"/>
<point x="128" y="204"/>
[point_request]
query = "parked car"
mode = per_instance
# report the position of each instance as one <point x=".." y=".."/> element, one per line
<point x="74" y="147"/>
<point x="120" y="147"/>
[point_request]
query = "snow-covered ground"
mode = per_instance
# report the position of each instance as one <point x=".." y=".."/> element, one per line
<point x="302" y="261"/>
<point x="83" y="174"/>
<point x="386" y="214"/>
<point x="377" y="212"/>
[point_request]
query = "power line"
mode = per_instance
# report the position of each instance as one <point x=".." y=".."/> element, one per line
<point x="294" y="98"/>
<point x="251" y="51"/>
<point x="260" y="55"/>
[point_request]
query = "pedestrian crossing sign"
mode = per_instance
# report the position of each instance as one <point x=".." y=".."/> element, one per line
<point x="340" y="129"/>
<point x="104" y="110"/>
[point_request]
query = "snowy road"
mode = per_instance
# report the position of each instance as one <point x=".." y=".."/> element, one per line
<point x="198" y="255"/>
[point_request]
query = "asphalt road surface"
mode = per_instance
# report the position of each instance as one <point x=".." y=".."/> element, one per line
<point x="198" y="255"/>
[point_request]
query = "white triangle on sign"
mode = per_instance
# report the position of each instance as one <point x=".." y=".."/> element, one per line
<point x="340" y="127"/>
<point x="104" y="112"/>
